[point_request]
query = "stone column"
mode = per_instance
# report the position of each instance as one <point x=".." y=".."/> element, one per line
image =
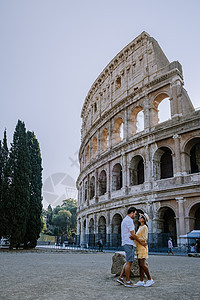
<point x="125" y="133"/>
<point x="110" y="134"/>
<point x="174" y="98"/>
<point x="96" y="185"/>
<point x="96" y="227"/>
<point x="87" y="231"/>
<point x="147" y="169"/>
<point x="108" y="177"/>
<point x="78" y="231"/>
<point x="181" y="228"/>
<point x="98" y="142"/>
<point x="177" y="160"/>
<point x="124" y="173"/>
<point x="146" y="110"/>
<point x="108" y="229"/>
<point x="82" y="237"/>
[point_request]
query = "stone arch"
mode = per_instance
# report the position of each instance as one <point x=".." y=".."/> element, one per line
<point x="102" y="229"/>
<point x="92" y="187"/>
<point x="162" y="163"/>
<point x="134" y="122"/>
<point x="161" y="97"/>
<point x="117" y="131"/>
<point x="117" y="177"/>
<point x="91" y="240"/>
<point x="191" y="152"/>
<point x="94" y="147"/>
<point x="136" y="170"/>
<point x="166" y="226"/>
<point x="102" y="183"/>
<point x="194" y="216"/>
<point x="87" y="155"/>
<point x="116" y="230"/>
<point x="104" y="139"/>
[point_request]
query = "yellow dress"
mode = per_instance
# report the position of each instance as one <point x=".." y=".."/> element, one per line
<point x="142" y="234"/>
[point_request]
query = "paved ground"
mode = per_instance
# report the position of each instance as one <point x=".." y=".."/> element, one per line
<point x="47" y="274"/>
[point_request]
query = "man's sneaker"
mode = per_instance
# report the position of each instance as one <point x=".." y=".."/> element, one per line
<point x="120" y="280"/>
<point x="149" y="283"/>
<point x="139" y="283"/>
<point x="128" y="284"/>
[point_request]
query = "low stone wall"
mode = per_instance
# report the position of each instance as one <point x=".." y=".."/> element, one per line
<point x="118" y="260"/>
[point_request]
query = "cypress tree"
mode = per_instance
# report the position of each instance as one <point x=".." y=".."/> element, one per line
<point x="18" y="202"/>
<point x="34" y="223"/>
<point x="4" y="187"/>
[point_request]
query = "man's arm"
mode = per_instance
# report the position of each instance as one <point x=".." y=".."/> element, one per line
<point x="134" y="237"/>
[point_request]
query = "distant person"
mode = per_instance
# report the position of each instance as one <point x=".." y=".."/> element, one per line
<point x="100" y="244"/>
<point x="197" y="245"/>
<point x="142" y="252"/>
<point x="192" y="248"/>
<point x="127" y="230"/>
<point x="170" y="246"/>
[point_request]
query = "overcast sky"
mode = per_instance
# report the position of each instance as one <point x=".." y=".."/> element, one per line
<point x="52" y="51"/>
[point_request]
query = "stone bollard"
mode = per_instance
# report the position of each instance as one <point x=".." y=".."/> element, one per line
<point x="118" y="260"/>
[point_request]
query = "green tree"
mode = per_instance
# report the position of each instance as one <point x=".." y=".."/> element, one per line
<point x="34" y="223"/>
<point x="20" y="186"/>
<point x="4" y="186"/>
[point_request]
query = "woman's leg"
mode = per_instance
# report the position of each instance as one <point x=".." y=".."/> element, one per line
<point x="145" y="268"/>
<point x="141" y="271"/>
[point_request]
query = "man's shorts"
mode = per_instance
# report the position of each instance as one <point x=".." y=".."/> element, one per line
<point x="130" y="252"/>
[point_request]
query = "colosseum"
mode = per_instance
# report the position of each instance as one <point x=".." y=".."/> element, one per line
<point x="131" y="155"/>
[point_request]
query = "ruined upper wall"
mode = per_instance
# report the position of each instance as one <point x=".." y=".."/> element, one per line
<point x="140" y="64"/>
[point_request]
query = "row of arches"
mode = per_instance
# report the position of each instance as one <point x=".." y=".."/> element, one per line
<point x="135" y="124"/>
<point x="166" y="226"/>
<point x="162" y="169"/>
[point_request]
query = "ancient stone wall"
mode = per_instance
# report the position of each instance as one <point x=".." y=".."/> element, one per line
<point x="128" y="157"/>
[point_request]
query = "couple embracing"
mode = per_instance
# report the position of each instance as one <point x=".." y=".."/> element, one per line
<point x="132" y="241"/>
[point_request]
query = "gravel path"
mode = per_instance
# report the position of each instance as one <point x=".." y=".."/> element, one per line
<point x="53" y="275"/>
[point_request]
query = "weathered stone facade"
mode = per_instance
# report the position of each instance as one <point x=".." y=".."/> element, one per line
<point x="155" y="168"/>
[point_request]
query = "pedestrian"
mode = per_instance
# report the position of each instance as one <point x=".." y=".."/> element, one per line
<point x="170" y="246"/>
<point x="127" y="230"/>
<point x="100" y="244"/>
<point x="197" y="245"/>
<point x="192" y="248"/>
<point x="142" y="252"/>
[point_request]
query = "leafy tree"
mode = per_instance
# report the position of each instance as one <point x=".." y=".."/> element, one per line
<point x="34" y="223"/>
<point x="18" y="202"/>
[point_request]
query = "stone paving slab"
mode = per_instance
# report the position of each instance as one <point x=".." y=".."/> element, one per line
<point x="43" y="274"/>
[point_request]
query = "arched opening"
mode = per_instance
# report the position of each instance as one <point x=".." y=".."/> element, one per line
<point x="192" y="156"/>
<point x="94" y="147"/>
<point x="87" y="157"/>
<point x="118" y="131"/>
<point x="164" y="111"/>
<point x="118" y="82"/>
<point x="104" y="139"/>
<point x="161" y="110"/>
<point x="91" y="240"/>
<point x="166" y="227"/>
<point x="102" y="229"/>
<point x="194" y="217"/>
<point x="102" y="183"/>
<point x="136" y="120"/>
<point x="166" y="169"/>
<point x="116" y="230"/>
<point x="140" y="121"/>
<point x="195" y="158"/>
<point x="92" y="187"/>
<point x="163" y="164"/>
<point x="136" y="170"/>
<point x="117" y="177"/>
<point x="86" y="190"/>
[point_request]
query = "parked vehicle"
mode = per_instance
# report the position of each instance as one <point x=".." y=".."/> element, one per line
<point x="5" y="242"/>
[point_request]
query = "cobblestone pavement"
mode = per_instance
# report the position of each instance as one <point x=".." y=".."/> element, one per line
<point x="45" y="274"/>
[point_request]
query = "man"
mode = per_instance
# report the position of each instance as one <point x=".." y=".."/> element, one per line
<point x="127" y="230"/>
<point x="170" y="246"/>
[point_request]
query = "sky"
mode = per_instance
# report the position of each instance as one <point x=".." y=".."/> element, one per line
<point x="51" y="52"/>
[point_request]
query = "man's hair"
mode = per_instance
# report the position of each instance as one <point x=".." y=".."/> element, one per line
<point x="131" y="209"/>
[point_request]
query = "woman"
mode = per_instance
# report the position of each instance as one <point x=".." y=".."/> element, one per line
<point x="142" y="252"/>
